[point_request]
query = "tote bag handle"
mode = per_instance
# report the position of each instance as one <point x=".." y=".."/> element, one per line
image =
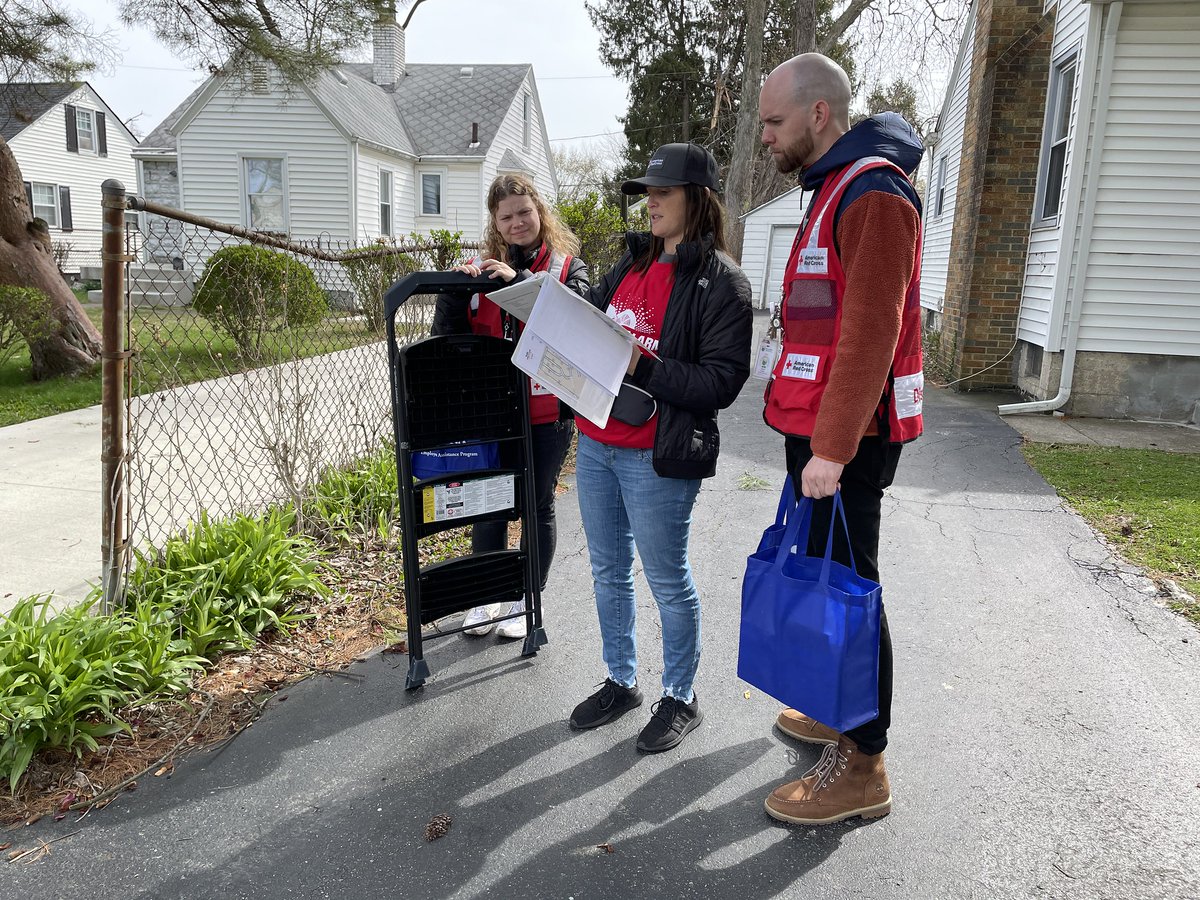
<point x="839" y="512"/>
<point x="796" y="531"/>
<point x="787" y="501"/>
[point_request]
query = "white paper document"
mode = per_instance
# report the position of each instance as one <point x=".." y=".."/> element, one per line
<point x="574" y="349"/>
<point x="566" y="381"/>
<point x="518" y="299"/>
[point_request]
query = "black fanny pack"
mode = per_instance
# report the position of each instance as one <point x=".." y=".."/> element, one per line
<point x="633" y="405"/>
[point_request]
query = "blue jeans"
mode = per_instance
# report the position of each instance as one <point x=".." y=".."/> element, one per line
<point x="624" y="503"/>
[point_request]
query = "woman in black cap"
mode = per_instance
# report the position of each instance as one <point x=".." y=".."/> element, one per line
<point x="688" y="305"/>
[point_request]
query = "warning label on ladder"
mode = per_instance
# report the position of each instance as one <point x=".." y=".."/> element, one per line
<point x="461" y="499"/>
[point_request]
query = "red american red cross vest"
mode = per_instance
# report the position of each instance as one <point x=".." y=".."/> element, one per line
<point x="813" y="288"/>
<point x="487" y="317"/>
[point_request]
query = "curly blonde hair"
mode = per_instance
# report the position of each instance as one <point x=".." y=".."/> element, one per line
<point x="554" y="234"/>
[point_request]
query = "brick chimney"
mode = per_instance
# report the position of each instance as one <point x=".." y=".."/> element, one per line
<point x="388" y="41"/>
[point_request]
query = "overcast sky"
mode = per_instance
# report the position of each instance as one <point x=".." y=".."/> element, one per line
<point x="580" y="97"/>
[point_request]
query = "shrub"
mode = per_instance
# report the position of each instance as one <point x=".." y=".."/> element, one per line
<point x="447" y="249"/>
<point x="248" y="291"/>
<point x="26" y="314"/>
<point x="372" y="273"/>
<point x="600" y="230"/>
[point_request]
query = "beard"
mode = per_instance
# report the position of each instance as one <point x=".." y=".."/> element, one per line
<point x="793" y="158"/>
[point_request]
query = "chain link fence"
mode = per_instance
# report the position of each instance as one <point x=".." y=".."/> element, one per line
<point x="254" y="363"/>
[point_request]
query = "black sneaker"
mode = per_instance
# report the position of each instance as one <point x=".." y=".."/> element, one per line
<point x="611" y="701"/>
<point x="671" y="720"/>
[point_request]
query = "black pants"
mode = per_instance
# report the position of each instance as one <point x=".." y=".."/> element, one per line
<point x="863" y="482"/>
<point x="550" y="444"/>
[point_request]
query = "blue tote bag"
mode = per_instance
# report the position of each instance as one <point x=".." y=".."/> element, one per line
<point x="810" y="625"/>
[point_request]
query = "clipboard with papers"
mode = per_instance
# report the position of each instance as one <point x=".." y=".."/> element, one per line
<point x="568" y="346"/>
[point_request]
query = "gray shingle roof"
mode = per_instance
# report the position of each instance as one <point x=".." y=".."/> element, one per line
<point x="362" y="108"/>
<point x="439" y="105"/>
<point x="161" y="138"/>
<point x="510" y="162"/>
<point x="430" y="113"/>
<point x="22" y="104"/>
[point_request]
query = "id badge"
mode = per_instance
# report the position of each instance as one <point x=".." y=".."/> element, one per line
<point x="769" y="350"/>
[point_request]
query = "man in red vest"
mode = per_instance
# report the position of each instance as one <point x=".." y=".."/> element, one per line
<point x="846" y="392"/>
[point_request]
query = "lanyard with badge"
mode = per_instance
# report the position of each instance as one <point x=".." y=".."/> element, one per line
<point x="770" y="348"/>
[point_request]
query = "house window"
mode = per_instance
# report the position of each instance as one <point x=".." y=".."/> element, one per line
<point x="431" y="194"/>
<point x="266" y="197"/>
<point x="527" y="118"/>
<point x="85" y="127"/>
<point x="45" y="203"/>
<point x="939" y="188"/>
<point x="385" y="202"/>
<point x="1059" y="107"/>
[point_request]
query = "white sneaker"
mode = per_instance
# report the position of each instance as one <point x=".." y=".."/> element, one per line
<point x="478" y="621"/>
<point x="513" y="628"/>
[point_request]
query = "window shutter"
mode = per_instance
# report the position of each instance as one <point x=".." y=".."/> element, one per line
<point x="29" y="194"/>
<point x="64" y="209"/>
<point x="101" y="135"/>
<point x="72" y="129"/>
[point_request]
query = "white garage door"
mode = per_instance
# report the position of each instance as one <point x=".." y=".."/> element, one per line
<point x="779" y="247"/>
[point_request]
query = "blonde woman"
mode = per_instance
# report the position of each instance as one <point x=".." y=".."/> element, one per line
<point x="523" y="236"/>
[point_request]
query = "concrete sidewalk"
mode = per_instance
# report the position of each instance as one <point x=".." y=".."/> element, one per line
<point x="1043" y="739"/>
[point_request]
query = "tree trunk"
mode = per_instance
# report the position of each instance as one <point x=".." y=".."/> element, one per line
<point x="804" y="26"/>
<point x="26" y="260"/>
<point x="741" y="165"/>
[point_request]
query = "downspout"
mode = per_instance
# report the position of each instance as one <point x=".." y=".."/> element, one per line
<point x="1105" y="65"/>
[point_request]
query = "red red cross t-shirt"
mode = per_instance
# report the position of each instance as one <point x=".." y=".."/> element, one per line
<point x="638" y="304"/>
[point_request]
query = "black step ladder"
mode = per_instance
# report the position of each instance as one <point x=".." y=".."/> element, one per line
<point x="446" y="391"/>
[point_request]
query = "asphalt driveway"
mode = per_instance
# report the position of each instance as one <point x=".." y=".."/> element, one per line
<point x="1044" y="741"/>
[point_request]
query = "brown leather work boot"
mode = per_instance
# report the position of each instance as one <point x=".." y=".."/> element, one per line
<point x="805" y="728"/>
<point x="845" y="782"/>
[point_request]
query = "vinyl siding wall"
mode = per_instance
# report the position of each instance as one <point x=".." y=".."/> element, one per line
<point x="237" y="123"/>
<point x="1141" y="292"/>
<point x="1070" y="33"/>
<point x="403" y="195"/>
<point x="462" y="199"/>
<point x="41" y="152"/>
<point x="511" y="136"/>
<point x="935" y="255"/>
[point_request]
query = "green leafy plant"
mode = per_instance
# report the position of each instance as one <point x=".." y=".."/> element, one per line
<point x="224" y="582"/>
<point x="25" y="315"/>
<point x="64" y="676"/>
<point x="599" y="227"/>
<point x="446" y="250"/>
<point x="249" y="291"/>
<point x="360" y="499"/>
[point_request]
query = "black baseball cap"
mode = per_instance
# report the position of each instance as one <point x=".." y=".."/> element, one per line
<point x="674" y="164"/>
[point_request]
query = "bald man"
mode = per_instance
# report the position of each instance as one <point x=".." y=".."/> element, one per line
<point x="846" y="392"/>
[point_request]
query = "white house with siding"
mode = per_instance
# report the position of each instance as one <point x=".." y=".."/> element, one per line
<point x="1108" y="322"/>
<point x="767" y="242"/>
<point x="67" y="142"/>
<point x="364" y="151"/>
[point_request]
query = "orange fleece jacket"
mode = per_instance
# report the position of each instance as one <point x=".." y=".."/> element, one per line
<point x="877" y="244"/>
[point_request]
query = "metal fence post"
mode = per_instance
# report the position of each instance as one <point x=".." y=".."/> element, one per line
<point x="112" y="402"/>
